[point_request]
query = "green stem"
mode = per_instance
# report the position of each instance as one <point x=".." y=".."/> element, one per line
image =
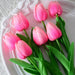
<point x="26" y="33"/>
<point x="59" y="46"/>
<point x="33" y="64"/>
<point x="44" y="25"/>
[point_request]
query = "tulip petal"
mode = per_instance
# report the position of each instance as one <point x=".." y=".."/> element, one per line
<point x="23" y="50"/>
<point x="40" y="13"/>
<point x="54" y="8"/>
<point x="10" y="40"/>
<point x="39" y="36"/>
<point x="53" y="31"/>
<point x="20" y="22"/>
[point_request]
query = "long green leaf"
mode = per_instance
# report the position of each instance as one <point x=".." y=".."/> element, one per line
<point x="21" y="63"/>
<point x="71" y="52"/>
<point x="32" y="71"/>
<point x="52" y="59"/>
<point x="37" y="59"/>
<point x="42" y="68"/>
<point x="60" y="57"/>
<point x="33" y="60"/>
<point x="22" y="37"/>
<point x="51" y="56"/>
<point x="53" y="70"/>
<point x="71" y="58"/>
<point x="74" y="70"/>
<point x="64" y="39"/>
<point x="41" y="65"/>
<point x="35" y="49"/>
<point x="62" y="21"/>
<point x="53" y="43"/>
<point x="54" y="62"/>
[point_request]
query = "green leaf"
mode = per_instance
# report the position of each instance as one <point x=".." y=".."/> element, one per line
<point x="60" y="57"/>
<point x="40" y="59"/>
<point x="53" y="70"/>
<point x="22" y="37"/>
<point x="71" y="52"/>
<point x="71" y="58"/>
<point x="52" y="59"/>
<point x="35" y="49"/>
<point x="51" y="56"/>
<point x="40" y="56"/>
<point x="64" y="39"/>
<point x="32" y="59"/>
<point x="32" y="71"/>
<point x="37" y="59"/>
<point x="62" y="20"/>
<point x="21" y="63"/>
<point x="74" y="70"/>
<point x="40" y="62"/>
<point x="29" y="42"/>
<point x="54" y="44"/>
<point x="54" y="62"/>
<point x="41" y="65"/>
<point x="42" y="68"/>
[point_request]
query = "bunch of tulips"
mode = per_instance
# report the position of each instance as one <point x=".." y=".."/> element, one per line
<point x="51" y="40"/>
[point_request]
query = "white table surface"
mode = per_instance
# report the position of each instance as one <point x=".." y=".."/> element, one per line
<point x="6" y="6"/>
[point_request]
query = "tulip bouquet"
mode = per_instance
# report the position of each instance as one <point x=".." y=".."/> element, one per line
<point x="52" y="41"/>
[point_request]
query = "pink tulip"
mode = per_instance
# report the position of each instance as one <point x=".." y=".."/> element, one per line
<point x="40" y="13"/>
<point x="10" y="40"/>
<point x="54" y="9"/>
<point x="39" y="36"/>
<point x="23" y="50"/>
<point x="53" y="31"/>
<point x="20" y="22"/>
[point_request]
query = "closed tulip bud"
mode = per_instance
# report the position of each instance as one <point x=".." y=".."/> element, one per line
<point x="10" y="40"/>
<point x="40" y="13"/>
<point x="54" y="9"/>
<point x="20" y="22"/>
<point x="23" y="50"/>
<point x="39" y="36"/>
<point x="53" y="31"/>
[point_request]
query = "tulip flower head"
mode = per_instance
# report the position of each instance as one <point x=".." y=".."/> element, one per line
<point x="10" y="40"/>
<point x="40" y="13"/>
<point x="39" y="36"/>
<point x="20" y="22"/>
<point x="53" y="31"/>
<point x="23" y="49"/>
<point x="54" y="9"/>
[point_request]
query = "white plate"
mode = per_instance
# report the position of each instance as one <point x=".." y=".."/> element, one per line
<point x="26" y="7"/>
